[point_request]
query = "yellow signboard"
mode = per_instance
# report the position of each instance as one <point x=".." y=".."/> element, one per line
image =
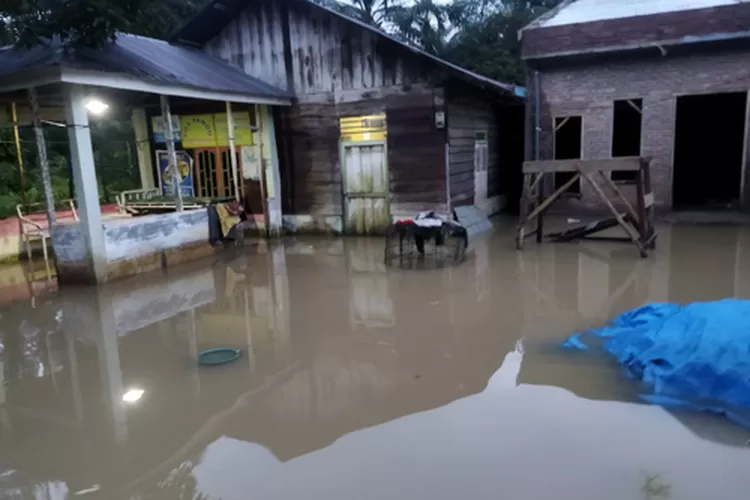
<point x="198" y="131"/>
<point x="243" y="136"/>
<point x="363" y="128"/>
<point x="206" y="131"/>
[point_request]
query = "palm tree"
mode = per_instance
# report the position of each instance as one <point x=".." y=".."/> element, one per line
<point x="426" y="24"/>
<point x="374" y="12"/>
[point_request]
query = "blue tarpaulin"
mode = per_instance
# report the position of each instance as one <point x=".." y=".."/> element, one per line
<point x="694" y="356"/>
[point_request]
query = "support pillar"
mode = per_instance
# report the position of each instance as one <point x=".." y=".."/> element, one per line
<point x="41" y="148"/>
<point x="271" y="166"/>
<point x="233" y="149"/>
<point x="143" y="146"/>
<point x="84" y="179"/>
<point x="169" y="139"/>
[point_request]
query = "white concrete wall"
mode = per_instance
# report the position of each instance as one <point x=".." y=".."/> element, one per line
<point x="127" y="239"/>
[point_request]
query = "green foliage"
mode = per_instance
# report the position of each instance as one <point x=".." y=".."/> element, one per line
<point x="81" y="23"/>
<point x="116" y="164"/>
<point x="89" y="23"/>
<point x="480" y="35"/>
<point x="424" y="23"/>
<point x="375" y="12"/>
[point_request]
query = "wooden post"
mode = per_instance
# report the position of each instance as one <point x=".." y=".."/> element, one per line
<point x="41" y="147"/>
<point x="523" y="217"/>
<point x="643" y="222"/>
<point x="539" y="200"/>
<point x="171" y="152"/>
<point x="448" y="203"/>
<point x="19" y="152"/>
<point x="233" y="151"/>
<point x="649" y="201"/>
<point x="259" y="118"/>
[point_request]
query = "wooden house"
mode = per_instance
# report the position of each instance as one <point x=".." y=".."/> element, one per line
<point x="377" y="128"/>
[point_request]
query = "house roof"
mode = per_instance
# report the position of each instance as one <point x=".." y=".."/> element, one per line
<point x="145" y="59"/>
<point x="217" y="14"/>
<point x="585" y="11"/>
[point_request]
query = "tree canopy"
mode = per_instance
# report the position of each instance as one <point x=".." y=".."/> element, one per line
<point x="480" y="35"/>
<point x="90" y="23"/>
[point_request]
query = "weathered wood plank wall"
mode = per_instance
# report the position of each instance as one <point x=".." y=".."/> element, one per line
<point x="323" y="54"/>
<point x="468" y="115"/>
<point x="338" y="69"/>
<point x="416" y="152"/>
<point x="416" y="159"/>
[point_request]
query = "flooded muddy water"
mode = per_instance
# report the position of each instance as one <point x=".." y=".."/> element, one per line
<point x="361" y="382"/>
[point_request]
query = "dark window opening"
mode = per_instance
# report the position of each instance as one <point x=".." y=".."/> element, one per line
<point x="709" y="143"/>
<point x="626" y="134"/>
<point x="568" y="134"/>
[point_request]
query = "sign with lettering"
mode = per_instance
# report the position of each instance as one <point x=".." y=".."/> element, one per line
<point x="159" y="130"/>
<point x="363" y="128"/>
<point x="207" y="131"/>
<point x="167" y="173"/>
<point x="198" y="131"/>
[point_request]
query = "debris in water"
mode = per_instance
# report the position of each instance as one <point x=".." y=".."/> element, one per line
<point x="694" y="356"/>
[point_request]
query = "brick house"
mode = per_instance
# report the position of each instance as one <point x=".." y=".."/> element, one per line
<point x="662" y="78"/>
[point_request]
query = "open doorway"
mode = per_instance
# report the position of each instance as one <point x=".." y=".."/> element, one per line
<point x="709" y="143"/>
<point x="567" y="146"/>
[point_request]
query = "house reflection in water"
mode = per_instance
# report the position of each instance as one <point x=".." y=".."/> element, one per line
<point x="102" y="393"/>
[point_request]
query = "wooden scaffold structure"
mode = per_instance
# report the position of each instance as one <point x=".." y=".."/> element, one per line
<point x="636" y="221"/>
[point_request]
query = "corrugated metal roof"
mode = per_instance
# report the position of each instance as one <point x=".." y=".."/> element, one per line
<point x="585" y="11"/>
<point x="218" y="14"/>
<point x="145" y="58"/>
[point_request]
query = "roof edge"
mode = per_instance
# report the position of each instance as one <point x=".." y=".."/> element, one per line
<point x="135" y="84"/>
<point x="36" y="77"/>
<point x="511" y="90"/>
<point x="550" y="13"/>
<point x="659" y="45"/>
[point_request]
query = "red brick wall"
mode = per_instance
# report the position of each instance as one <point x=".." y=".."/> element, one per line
<point x="589" y="91"/>
<point x="632" y="30"/>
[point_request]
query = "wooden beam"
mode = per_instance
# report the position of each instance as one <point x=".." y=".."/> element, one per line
<point x="623" y="199"/>
<point x="628" y="163"/>
<point x="554" y="196"/>
<point x="634" y="106"/>
<point x="634" y="236"/>
<point x="560" y="125"/>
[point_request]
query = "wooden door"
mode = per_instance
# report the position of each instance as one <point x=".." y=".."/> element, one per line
<point x="366" y="207"/>
<point x="481" y="167"/>
<point x="213" y="173"/>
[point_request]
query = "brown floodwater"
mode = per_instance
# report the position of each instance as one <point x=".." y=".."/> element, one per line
<point x="362" y="382"/>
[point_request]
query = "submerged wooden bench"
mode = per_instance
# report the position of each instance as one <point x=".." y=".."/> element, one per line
<point x="636" y="221"/>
